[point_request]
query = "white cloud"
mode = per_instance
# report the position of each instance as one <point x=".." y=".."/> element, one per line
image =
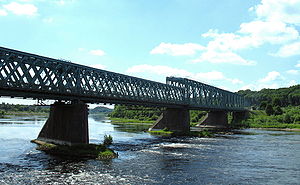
<point x="228" y="41"/>
<point x="169" y="71"/>
<point x="160" y="70"/>
<point x="21" y="9"/>
<point x="3" y="13"/>
<point x="97" y="52"/>
<point x="289" y="50"/>
<point x="63" y="2"/>
<point x="258" y="87"/>
<point x="98" y="66"/>
<point x="274" y="32"/>
<point x="271" y="76"/>
<point x="298" y="64"/>
<point x="177" y="49"/>
<point x="287" y="11"/>
<point x="293" y="72"/>
<point x="223" y="57"/>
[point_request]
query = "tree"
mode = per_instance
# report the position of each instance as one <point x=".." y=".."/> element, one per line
<point x="278" y="110"/>
<point x="269" y="110"/>
<point x="263" y="105"/>
<point x="276" y="102"/>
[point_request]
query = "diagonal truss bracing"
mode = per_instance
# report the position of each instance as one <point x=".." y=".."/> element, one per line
<point x="203" y="96"/>
<point x="31" y="76"/>
<point x="27" y="75"/>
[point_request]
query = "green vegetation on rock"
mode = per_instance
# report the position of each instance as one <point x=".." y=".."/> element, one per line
<point x="95" y="151"/>
<point x="162" y="132"/>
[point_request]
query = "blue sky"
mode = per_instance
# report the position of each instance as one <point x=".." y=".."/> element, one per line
<point x="232" y="44"/>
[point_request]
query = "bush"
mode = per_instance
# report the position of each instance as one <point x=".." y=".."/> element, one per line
<point x="276" y="102"/>
<point x="278" y="111"/>
<point x="269" y="110"/>
<point x="263" y="105"/>
<point x="107" y="140"/>
<point x="287" y="118"/>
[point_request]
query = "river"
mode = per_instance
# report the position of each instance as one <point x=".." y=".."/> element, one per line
<point x="248" y="157"/>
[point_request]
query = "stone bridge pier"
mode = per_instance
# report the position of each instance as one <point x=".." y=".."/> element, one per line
<point x="215" y="119"/>
<point x="67" y="124"/>
<point x="220" y="118"/>
<point x="173" y="119"/>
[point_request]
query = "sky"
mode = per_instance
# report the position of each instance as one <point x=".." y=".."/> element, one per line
<point x="231" y="44"/>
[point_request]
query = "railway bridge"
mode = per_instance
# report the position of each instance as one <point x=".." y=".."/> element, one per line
<point x="28" y="75"/>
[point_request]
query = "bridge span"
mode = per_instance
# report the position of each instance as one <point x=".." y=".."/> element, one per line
<point x="28" y="75"/>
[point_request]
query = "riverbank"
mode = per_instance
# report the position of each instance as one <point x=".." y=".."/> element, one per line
<point x="289" y="119"/>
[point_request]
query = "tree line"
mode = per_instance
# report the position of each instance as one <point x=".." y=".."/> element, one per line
<point x="282" y="96"/>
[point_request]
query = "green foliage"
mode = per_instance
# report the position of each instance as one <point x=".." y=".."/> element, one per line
<point x="269" y="110"/>
<point x="135" y="112"/>
<point x="2" y="113"/>
<point x="108" y="140"/>
<point x="99" y="110"/>
<point x="163" y="132"/>
<point x="10" y="108"/>
<point x="278" y="110"/>
<point x="290" y="118"/>
<point x="278" y="97"/>
<point x="196" y="115"/>
<point x="263" y="105"/>
<point x="276" y="101"/>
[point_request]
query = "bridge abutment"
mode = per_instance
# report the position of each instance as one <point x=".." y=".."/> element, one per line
<point x="215" y="119"/>
<point x="67" y="124"/>
<point x="173" y="119"/>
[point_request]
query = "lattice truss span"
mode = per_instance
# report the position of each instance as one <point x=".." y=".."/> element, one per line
<point x="32" y="76"/>
<point x="200" y="95"/>
<point x="27" y="75"/>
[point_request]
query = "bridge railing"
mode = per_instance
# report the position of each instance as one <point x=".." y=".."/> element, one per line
<point x="27" y="75"/>
<point x="200" y="95"/>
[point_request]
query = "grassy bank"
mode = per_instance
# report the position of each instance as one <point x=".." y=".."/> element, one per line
<point x="290" y="118"/>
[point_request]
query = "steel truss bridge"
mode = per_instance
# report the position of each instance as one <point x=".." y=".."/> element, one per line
<point x="32" y="76"/>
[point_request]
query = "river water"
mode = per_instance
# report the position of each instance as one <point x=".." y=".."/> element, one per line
<point x="249" y="157"/>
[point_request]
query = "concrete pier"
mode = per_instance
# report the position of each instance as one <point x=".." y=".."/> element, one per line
<point x="176" y="120"/>
<point x="67" y="124"/>
<point x="215" y="119"/>
<point x="237" y="117"/>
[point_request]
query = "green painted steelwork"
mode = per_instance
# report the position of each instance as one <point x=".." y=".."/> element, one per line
<point x="31" y="76"/>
